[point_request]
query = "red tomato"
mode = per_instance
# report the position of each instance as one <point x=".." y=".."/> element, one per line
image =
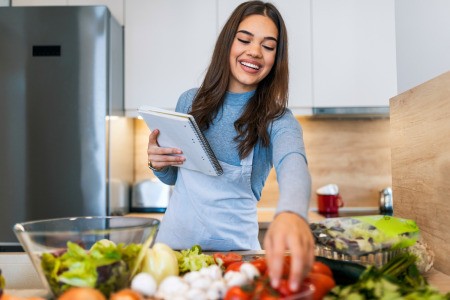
<point x="268" y="296"/>
<point x="261" y="264"/>
<point x="286" y="266"/>
<point x="236" y="293"/>
<point x="225" y="259"/>
<point x="320" y="267"/>
<point x="235" y="266"/>
<point x="322" y="284"/>
<point x="284" y="289"/>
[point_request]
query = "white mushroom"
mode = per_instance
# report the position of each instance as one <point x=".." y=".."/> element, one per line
<point x="233" y="278"/>
<point x="196" y="294"/>
<point x="144" y="283"/>
<point x="249" y="270"/>
<point x="172" y="286"/>
<point x="202" y="283"/>
<point x="192" y="276"/>
<point x="213" y="271"/>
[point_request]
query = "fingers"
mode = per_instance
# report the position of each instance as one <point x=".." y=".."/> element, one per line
<point x="275" y="252"/>
<point x="289" y="232"/>
<point x="161" y="157"/>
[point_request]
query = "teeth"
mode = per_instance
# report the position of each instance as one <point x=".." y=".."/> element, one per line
<point x="250" y="65"/>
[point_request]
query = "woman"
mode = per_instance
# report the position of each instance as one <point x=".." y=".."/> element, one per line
<point x="241" y="107"/>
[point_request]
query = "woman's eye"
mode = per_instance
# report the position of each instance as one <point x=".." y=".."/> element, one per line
<point x="243" y="41"/>
<point x="269" y="48"/>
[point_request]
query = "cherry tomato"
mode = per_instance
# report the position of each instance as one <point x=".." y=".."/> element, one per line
<point x="225" y="259"/>
<point x="235" y="266"/>
<point x="284" y="289"/>
<point x="322" y="284"/>
<point x="286" y="266"/>
<point x="261" y="264"/>
<point x="320" y="267"/>
<point x="236" y="293"/>
<point x="268" y="296"/>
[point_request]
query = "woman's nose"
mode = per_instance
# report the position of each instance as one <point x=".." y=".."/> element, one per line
<point x="254" y="51"/>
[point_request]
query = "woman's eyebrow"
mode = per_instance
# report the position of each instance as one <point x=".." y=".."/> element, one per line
<point x="249" y="33"/>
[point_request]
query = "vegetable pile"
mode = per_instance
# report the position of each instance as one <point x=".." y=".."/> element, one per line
<point x="398" y="279"/>
<point x="104" y="272"/>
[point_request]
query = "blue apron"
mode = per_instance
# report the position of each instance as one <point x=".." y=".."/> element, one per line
<point x="216" y="212"/>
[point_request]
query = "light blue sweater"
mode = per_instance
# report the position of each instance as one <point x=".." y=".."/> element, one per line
<point x="286" y="152"/>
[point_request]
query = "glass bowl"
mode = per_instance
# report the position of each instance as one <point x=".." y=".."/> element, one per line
<point x="94" y="252"/>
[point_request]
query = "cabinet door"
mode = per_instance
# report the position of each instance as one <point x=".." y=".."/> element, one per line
<point x="114" y="6"/>
<point x="296" y="15"/>
<point x="168" y="46"/>
<point x="354" y="61"/>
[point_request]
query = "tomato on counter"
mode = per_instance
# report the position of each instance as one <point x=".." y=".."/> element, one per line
<point x="261" y="264"/>
<point x="320" y="267"/>
<point x="225" y="259"/>
<point x="234" y="266"/>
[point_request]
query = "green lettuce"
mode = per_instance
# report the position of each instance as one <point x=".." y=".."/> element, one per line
<point x="105" y="266"/>
<point x="193" y="259"/>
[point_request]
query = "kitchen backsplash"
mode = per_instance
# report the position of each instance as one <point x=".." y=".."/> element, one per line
<point x="352" y="153"/>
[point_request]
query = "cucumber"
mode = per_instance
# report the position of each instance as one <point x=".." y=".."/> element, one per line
<point x="344" y="272"/>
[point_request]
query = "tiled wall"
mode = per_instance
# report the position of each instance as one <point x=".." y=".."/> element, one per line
<point x="352" y="153"/>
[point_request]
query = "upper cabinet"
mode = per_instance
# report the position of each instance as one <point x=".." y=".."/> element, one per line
<point x="354" y="55"/>
<point x="168" y="46"/>
<point x="341" y="53"/>
<point x="114" y="6"/>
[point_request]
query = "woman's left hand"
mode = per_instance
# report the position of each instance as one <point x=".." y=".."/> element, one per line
<point x="289" y="232"/>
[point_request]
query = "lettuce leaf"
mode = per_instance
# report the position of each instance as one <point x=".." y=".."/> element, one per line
<point x="105" y="266"/>
<point x="193" y="259"/>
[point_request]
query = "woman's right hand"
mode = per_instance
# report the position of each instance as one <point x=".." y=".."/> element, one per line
<point x="160" y="158"/>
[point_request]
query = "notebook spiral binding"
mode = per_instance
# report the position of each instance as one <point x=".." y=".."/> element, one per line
<point x="204" y="142"/>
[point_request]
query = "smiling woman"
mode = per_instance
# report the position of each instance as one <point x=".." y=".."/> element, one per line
<point x="241" y="107"/>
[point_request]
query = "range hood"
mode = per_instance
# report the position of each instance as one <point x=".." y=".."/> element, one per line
<point x="351" y="112"/>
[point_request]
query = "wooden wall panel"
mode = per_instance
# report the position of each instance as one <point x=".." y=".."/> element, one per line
<point x="420" y="138"/>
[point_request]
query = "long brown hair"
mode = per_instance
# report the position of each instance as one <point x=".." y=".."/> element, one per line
<point x="271" y="95"/>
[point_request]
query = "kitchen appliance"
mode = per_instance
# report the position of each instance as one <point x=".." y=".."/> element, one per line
<point x="150" y="195"/>
<point x="386" y="201"/>
<point x="61" y="83"/>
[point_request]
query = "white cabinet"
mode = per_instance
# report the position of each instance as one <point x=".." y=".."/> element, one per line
<point x="168" y="46"/>
<point x="354" y="56"/>
<point x="423" y="43"/>
<point x="115" y="6"/>
<point x="296" y="15"/>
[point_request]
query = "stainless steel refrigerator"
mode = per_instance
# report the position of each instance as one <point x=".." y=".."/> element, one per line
<point x="61" y="77"/>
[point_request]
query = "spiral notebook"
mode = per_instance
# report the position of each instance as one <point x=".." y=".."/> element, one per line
<point x="178" y="130"/>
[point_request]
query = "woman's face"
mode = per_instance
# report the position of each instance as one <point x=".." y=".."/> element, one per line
<point x="252" y="53"/>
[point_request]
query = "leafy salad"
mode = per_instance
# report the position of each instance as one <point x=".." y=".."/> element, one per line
<point x="105" y="266"/>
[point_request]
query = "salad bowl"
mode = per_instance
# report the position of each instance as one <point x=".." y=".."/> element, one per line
<point x="98" y="252"/>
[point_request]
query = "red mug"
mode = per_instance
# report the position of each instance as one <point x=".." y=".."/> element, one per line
<point x="329" y="204"/>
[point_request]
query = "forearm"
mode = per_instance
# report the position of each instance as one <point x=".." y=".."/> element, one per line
<point x="294" y="182"/>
